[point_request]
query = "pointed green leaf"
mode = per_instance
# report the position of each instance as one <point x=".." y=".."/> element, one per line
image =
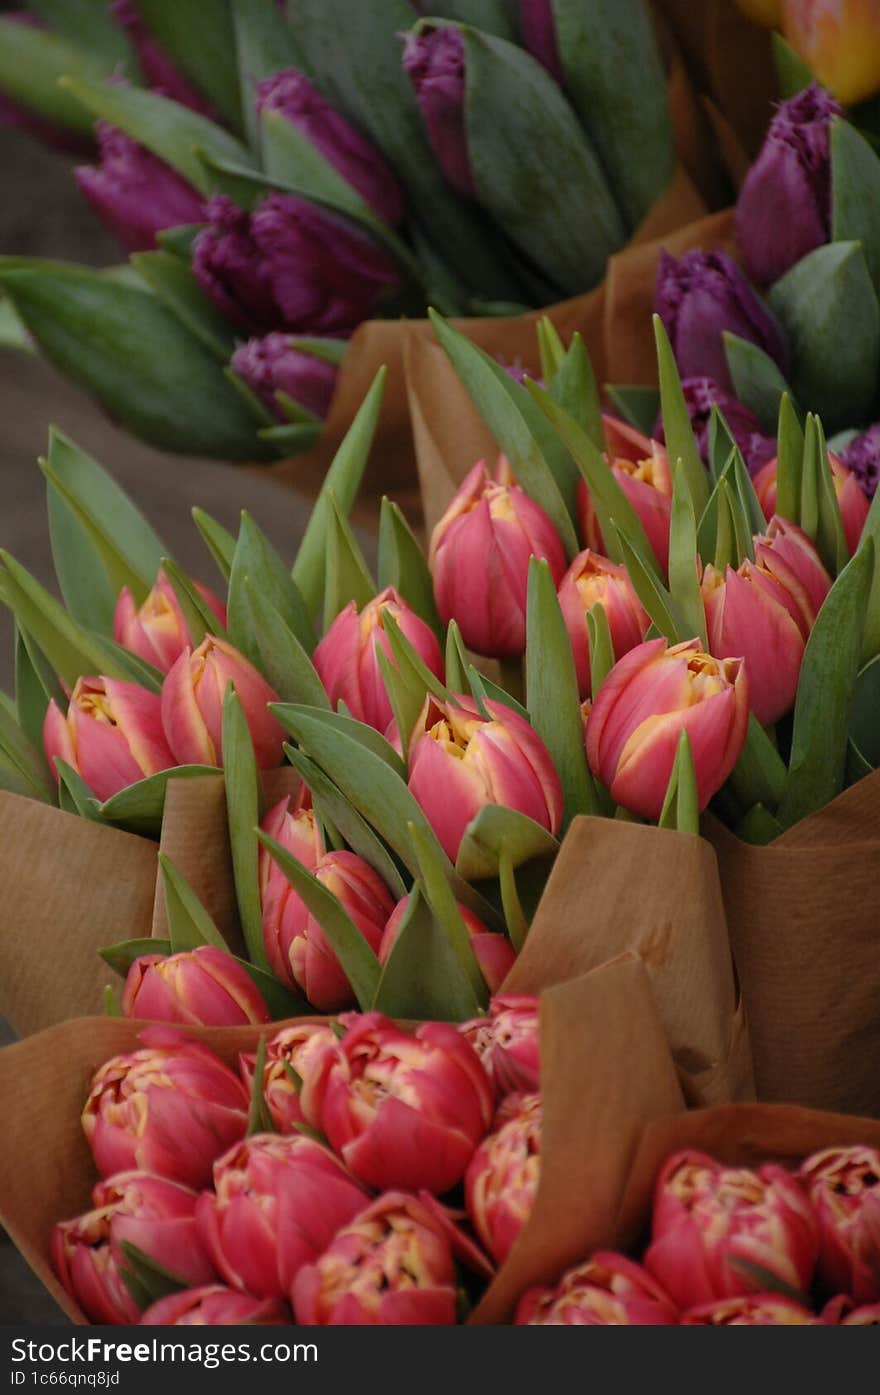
<point x="855" y="193"/>
<point x="218" y="540"/>
<point x="171" y="279"/>
<point x="78" y="799"/>
<point x="281" y="658"/>
<point x="760" y="774"/>
<point x="485" y="690"/>
<point x="408" y="659"/>
<point x="281" y="1001"/>
<point x="791" y="70"/>
<point x="551" y="350"/>
<point x="494" y="828"/>
<point x="653" y="595"/>
<point x="145" y="1278"/>
<point x="422" y="977"/>
<point x="864" y="730"/>
<point x="789" y="461"/>
<point x="830" y="537"/>
<point x="602" y="658"/>
<point x="198" y="616"/>
<point x="681" y="810"/>
<point x="87" y="591"/>
<point x="346" y="727"/>
<point x="243" y="790"/>
<point x="189" y="924"/>
<point x="121" y="956"/>
<point x="22" y="758"/>
<point x="35" y="686"/>
<point x="757" y="379"/>
<point x="406" y="697"/>
<point x="259" y="1118"/>
<point x="514" y="916"/>
<point x="402" y="564"/>
<point x="347" y="577"/>
<point x="139" y="807"/>
<point x="440" y="898"/>
<point x="456" y="661"/>
<point x="256" y="561"/>
<point x="680" y="441"/>
<point x="574" y="389"/>
<point x="266" y="43"/>
<point x="684" y="583"/>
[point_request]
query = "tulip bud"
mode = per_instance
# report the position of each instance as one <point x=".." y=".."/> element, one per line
<point x="479" y="558"/>
<point x="169" y="1107"/>
<point x="158" y="69"/>
<point x="134" y="193"/>
<point x="508" y="1043"/>
<point x="203" y="986"/>
<point x="862" y="458"/>
<point x="157" y="630"/>
<point x="641" y="468"/>
<point x="843" y="1185"/>
<point x="837" y="39"/>
<point x="271" y="365"/>
<point x="434" y="60"/>
<point x="751" y="1310"/>
<point x="298" y="832"/>
<point x="405" y="1111"/>
<point x="701" y="295"/>
<point x="150" y="1212"/>
<point x="342" y="145"/>
<point x="460" y="762"/>
<point x="652" y="694"/>
<point x="851" y="499"/>
<point x="538" y="29"/>
<point x="608" y="1290"/>
<point x="214" y="1305"/>
<point x="707" y="1216"/>
<point x="192" y="705"/>
<point x="112" y="734"/>
<point x="347" y="658"/>
<point x="784" y="207"/>
<point x="392" y="1266"/>
<point x="306" y="1050"/>
<point x="277" y="1203"/>
<point x="700" y="395"/>
<point x="593" y="580"/>
<point x="788" y="555"/>
<point x="841" y="1311"/>
<point x="502" y="1178"/>
<point x="494" y="953"/>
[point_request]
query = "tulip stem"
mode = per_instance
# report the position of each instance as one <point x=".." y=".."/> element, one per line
<point x="512" y="678"/>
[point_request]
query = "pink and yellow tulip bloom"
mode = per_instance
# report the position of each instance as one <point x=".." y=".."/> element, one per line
<point x="641" y="468"/>
<point x="156" y="630"/>
<point x="607" y="1290"/>
<point x="593" y="580"/>
<point x="751" y="616"/>
<point x="192" y="705"/>
<point x="502" y="1178"/>
<point x="214" y="1305"/>
<point x="112" y="734"/>
<point x="203" y="986"/>
<point x="843" y="1185"/>
<point x="306" y="1049"/>
<point x="508" y="1042"/>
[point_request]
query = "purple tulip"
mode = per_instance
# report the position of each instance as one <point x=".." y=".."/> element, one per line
<point x="134" y="193"/>
<point x="862" y="458"/>
<point x="784" y="207"/>
<point x="699" y="395"/>
<point x="271" y="364"/>
<point x="228" y="266"/>
<point x="161" y="74"/>
<point x="538" y="29"/>
<point x="356" y="159"/>
<point x="434" y="60"/>
<point x="698" y="297"/>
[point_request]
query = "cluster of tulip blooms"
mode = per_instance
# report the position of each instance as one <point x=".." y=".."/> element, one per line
<point x="325" y="1195"/>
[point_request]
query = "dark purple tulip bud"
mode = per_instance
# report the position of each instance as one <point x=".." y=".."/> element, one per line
<point x="862" y="458"/>
<point x="161" y="74"/>
<point x="356" y="159"/>
<point x="700" y="295"/>
<point x="272" y="364"/>
<point x="700" y="394"/>
<point x="228" y="265"/>
<point x="434" y="60"/>
<point x="784" y="206"/>
<point x="134" y="193"/>
<point x="538" y="29"/>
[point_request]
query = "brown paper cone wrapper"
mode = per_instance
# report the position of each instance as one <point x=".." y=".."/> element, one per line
<point x="595" y="1103"/>
<point x="803" y="928"/>
<point x="618" y="887"/>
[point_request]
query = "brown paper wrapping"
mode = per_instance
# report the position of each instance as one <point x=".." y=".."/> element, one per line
<point x="803" y="921"/>
<point x="618" y="887"/>
<point x="606" y="1071"/>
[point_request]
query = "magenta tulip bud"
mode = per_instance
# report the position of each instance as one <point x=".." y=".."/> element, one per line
<point x="434" y="60"/>
<point x="851" y="498"/>
<point x="460" y="761"/>
<point x="271" y="365"/>
<point x="641" y="468"/>
<point x="538" y="28"/>
<point x="214" y="1305"/>
<point x="347" y="658"/>
<point x="862" y="458"/>
<point x="508" y="1042"/>
<point x="405" y="1111"/>
<point x="157" y="630"/>
<point x="342" y="145"/>
<point x="593" y="580"/>
<point x="229" y="267"/>
<point x="112" y="734"/>
<point x="203" y="986"/>
<point x="607" y="1290"/>
<point x="479" y="558"/>
<point x="277" y="1203"/>
<point x="158" y="69"/>
<point x="707" y="1216"/>
<point x="307" y="1050"/>
<point x="750" y="1310"/>
<point x="192" y="705"/>
<point x="134" y="193"/>
<point x="169" y="1107"/>
<point x="843" y="1185"/>
<point x="153" y="1213"/>
<point x="700" y="395"/>
<point x="392" y="1266"/>
<point x="501" y="1182"/>
<point x="494" y="953"/>
<point x="784" y="207"/>
<point x="649" y="697"/>
<point x="701" y="295"/>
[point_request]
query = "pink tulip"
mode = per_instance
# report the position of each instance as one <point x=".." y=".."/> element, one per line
<point x="156" y="630"/>
<point x="707" y="1216"/>
<point x="851" y="499"/>
<point x="347" y="658"/>
<point x="593" y="580"/>
<point x="276" y="1205"/>
<point x="291" y="822"/>
<point x="214" y="1305"/>
<point x="405" y="1111"/>
<point x="502" y="1178"/>
<point x="788" y="555"/>
<point x="307" y="1049"/>
<point x="841" y="1311"/>
<point x="653" y="693"/>
<point x="751" y="616"/>
<point x="392" y="1266"/>
<point x="641" y="468"/>
<point x="844" y="1189"/>
<point x="169" y="1107"/>
<point x="479" y="558"/>
<point x="608" y="1290"/>
<point x="508" y="1042"/>
<point x="192" y="705"/>
<point x="460" y="761"/>
<point x="494" y="953"/>
<point x="112" y="734"/>
<point x="154" y="1214"/>
<point x="204" y="986"/>
<point x="751" y="1310"/>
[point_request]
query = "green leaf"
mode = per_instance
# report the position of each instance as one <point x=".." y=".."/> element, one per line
<point x="653" y="594"/>
<point x="409" y="661"/>
<point x="496" y="829"/>
<point x="402" y="564"/>
<point x="31" y="62"/>
<point x="871" y="637"/>
<point x="681" y="808"/>
<point x="242" y="780"/>
<point x="485" y="690"/>
<point x="514" y="916"/>
<point x="110" y="1007"/>
<point x="422" y="978"/>
<point x="281" y="1001"/>
<point x="197" y="614"/>
<point x="218" y="540"/>
<point x="864" y="730"/>
<point x="77" y="797"/>
<point x="281" y="658"/>
<point x="574" y="389"/>
<point x="256" y="562"/>
<point x="637" y="405"/>
<point x="200" y="40"/>
<point x="189" y="924"/>
<point x="91" y="27"/>
<point x="179" y="240"/>
<point x="266" y="43"/>
<point x="171" y="278"/>
<point x="121" y="956"/>
<point x="291" y="439"/>
<point x="829" y="535"/>
<point x="456" y="663"/>
<point x="759" y="776"/>
<point x="440" y="898"/>
<point x="855" y="194"/>
<point x="259" y="1118"/>
<point x="602" y="658"/>
<point x="35" y="686"/>
<point x="791" y="70"/>
<point x="684" y="583"/>
<point x="22" y="759"/>
<point x="789" y="461"/>
<point x="347" y="727"/>
<point x="87" y="590"/>
<point x="347" y="577"/>
<point x="551" y="350"/>
<point x="139" y="807"/>
<point x="146" y="1280"/>
<point x="359" y="963"/>
<point x="758" y="826"/>
<point x="680" y="441"/>
<point x="404" y="694"/>
<point x="494" y="16"/>
<point x="757" y="380"/>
